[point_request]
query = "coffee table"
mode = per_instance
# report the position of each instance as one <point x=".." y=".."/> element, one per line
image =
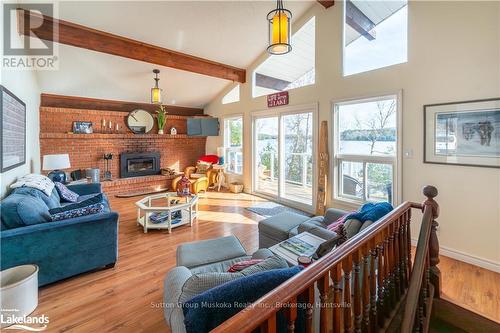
<point x="187" y="206"/>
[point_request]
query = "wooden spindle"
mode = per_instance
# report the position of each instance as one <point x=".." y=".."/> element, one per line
<point x="366" y="288"/>
<point x="397" y="262"/>
<point x="391" y="279"/>
<point x="356" y="259"/>
<point x="308" y="298"/>
<point x="373" y="284"/>
<point x="291" y="314"/>
<point x="336" y="274"/>
<point x="347" y="267"/>
<point x="402" y="256"/>
<point x="386" y="281"/>
<point x="269" y="326"/>
<point x="408" y="243"/>
<point x="323" y="287"/>
<point x="380" y="280"/>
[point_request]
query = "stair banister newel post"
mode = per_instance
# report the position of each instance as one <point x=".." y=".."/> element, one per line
<point x="435" y="274"/>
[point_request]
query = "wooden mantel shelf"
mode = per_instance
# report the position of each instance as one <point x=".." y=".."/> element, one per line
<point x="114" y="136"/>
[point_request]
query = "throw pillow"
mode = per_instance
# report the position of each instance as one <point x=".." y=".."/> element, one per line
<point x="352" y="227"/>
<point x="93" y="205"/>
<point x="201" y="314"/>
<point x="89" y="210"/>
<point x="239" y="266"/>
<point x="202" y="167"/>
<point x="95" y="199"/>
<point x="65" y="193"/>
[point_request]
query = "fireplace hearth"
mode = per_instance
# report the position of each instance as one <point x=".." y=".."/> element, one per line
<point x="139" y="164"/>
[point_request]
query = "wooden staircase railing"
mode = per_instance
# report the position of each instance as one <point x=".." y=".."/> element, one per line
<point x="361" y="283"/>
<point x="425" y="279"/>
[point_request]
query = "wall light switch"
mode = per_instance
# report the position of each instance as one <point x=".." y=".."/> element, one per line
<point x="408" y="153"/>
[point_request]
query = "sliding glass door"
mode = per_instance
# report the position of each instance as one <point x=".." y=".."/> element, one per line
<point x="266" y="155"/>
<point x="284" y="155"/>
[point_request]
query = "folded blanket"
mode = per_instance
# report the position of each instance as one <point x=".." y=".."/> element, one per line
<point x="37" y="181"/>
<point x="371" y="211"/>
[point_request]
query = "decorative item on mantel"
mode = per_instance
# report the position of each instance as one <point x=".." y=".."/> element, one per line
<point x="161" y="117"/>
<point x="107" y="160"/>
<point x="173" y="131"/>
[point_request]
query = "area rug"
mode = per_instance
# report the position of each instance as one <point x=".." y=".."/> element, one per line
<point x="268" y="209"/>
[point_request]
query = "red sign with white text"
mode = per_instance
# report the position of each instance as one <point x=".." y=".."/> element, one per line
<point x="277" y="99"/>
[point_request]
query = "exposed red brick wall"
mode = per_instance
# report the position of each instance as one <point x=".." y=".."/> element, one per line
<point x="87" y="150"/>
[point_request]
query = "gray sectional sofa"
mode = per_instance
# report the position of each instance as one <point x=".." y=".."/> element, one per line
<point x="285" y="225"/>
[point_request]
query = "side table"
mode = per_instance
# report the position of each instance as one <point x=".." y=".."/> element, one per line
<point x="221" y="178"/>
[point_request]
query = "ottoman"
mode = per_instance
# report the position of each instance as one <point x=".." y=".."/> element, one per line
<point x="278" y="228"/>
<point x="205" y="252"/>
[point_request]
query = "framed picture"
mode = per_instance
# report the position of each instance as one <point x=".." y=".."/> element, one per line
<point x="82" y="127"/>
<point x="13" y="130"/>
<point x="463" y="133"/>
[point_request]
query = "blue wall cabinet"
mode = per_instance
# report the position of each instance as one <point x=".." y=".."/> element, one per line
<point x="203" y="127"/>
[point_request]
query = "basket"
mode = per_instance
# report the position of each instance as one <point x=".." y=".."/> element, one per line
<point x="236" y="187"/>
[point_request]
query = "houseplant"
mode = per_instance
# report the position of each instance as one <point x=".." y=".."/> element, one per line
<point x="161" y="117"/>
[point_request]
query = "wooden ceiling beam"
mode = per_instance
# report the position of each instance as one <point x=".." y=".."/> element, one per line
<point x="91" y="39"/>
<point x="74" y="102"/>
<point x="269" y="82"/>
<point x="359" y="21"/>
<point x="327" y="3"/>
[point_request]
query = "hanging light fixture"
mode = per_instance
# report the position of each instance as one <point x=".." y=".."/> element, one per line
<point x="279" y="30"/>
<point x="156" y="91"/>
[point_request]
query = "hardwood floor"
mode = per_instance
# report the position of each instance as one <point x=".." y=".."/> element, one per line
<point x="128" y="298"/>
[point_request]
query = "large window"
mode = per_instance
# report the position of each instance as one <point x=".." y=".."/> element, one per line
<point x="366" y="147"/>
<point x="288" y="71"/>
<point x="375" y="34"/>
<point x="233" y="144"/>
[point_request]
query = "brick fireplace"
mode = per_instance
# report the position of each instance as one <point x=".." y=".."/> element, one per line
<point x="87" y="150"/>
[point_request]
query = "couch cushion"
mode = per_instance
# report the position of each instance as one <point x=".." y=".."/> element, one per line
<point x="209" y="251"/>
<point x="52" y="201"/>
<point x="279" y="226"/>
<point x="89" y="200"/>
<point x="201" y="313"/>
<point x="352" y="227"/>
<point x="19" y="210"/>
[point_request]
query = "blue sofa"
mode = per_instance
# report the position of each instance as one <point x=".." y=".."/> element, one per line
<point x="61" y="248"/>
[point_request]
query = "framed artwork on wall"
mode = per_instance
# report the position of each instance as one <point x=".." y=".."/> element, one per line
<point x="82" y="127"/>
<point x="13" y="130"/>
<point x="463" y="133"/>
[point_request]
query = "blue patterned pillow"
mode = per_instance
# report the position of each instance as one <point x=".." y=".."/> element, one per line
<point x="77" y="212"/>
<point x="65" y="193"/>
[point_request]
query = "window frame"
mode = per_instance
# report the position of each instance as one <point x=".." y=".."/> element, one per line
<point x="337" y="158"/>
<point x="233" y="149"/>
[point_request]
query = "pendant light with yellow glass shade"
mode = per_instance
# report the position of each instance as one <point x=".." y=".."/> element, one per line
<point x="156" y="91"/>
<point x="279" y="30"/>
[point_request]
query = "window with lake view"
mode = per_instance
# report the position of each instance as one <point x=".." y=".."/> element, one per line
<point x="366" y="149"/>
<point x="233" y="144"/>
